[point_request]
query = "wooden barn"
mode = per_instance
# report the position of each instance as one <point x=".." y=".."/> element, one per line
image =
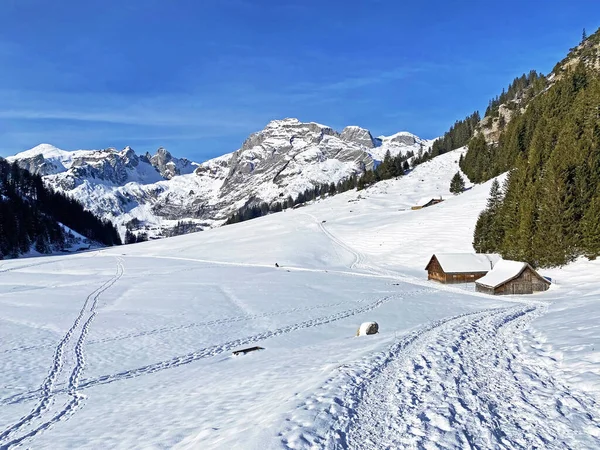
<point x="512" y="277"/>
<point x="426" y="202"/>
<point x="459" y="267"/>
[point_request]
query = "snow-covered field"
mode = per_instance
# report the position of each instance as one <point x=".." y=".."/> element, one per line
<point x="131" y="347"/>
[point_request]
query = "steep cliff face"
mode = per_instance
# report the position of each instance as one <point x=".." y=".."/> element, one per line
<point x="286" y="158"/>
<point x="154" y="192"/>
<point x="169" y="166"/>
<point x="360" y="136"/>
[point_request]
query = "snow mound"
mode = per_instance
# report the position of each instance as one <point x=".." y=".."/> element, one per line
<point x="367" y="328"/>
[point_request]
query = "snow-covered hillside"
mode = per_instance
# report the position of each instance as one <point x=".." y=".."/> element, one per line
<point x="131" y="347"/>
<point x="155" y="192"/>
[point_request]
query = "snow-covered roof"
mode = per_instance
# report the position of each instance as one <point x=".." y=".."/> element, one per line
<point x="467" y="262"/>
<point x="503" y="271"/>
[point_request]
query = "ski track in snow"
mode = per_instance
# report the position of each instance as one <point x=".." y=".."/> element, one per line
<point x="218" y="349"/>
<point x="61" y="364"/>
<point x="357" y="256"/>
<point x="460" y="382"/>
<point x="175" y="328"/>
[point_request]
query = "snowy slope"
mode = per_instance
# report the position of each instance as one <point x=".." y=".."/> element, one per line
<point x="154" y="192"/>
<point x="131" y="347"/>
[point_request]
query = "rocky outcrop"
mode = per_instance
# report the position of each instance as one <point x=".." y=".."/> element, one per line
<point x="359" y="136"/>
<point x="38" y="165"/>
<point x="492" y="127"/>
<point x="404" y="139"/>
<point x="168" y="166"/>
<point x="107" y="165"/>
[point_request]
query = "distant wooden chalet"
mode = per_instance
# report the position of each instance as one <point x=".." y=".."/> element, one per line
<point x="459" y="267"/>
<point x="425" y="202"/>
<point x="512" y="277"/>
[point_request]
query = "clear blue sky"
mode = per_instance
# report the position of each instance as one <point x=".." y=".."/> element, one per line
<point x="198" y="76"/>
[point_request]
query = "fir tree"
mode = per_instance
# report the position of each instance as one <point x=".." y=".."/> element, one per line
<point x="481" y="236"/>
<point x="590" y="227"/>
<point x="332" y="189"/>
<point x="495" y="198"/>
<point x="457" y="184"/>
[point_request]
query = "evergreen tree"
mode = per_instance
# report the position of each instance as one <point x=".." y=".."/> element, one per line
<point x="332" y="189"/>
<point x="457" y="184"/>
<point x="41" y="244"/>
<point x="481" y="235"/>
<point x="495" y="198"/>
<point x="130" y="237"/>
<point x="583" y="36"/>
<point x="457" y="136"/>
<point x="590" y="227"/>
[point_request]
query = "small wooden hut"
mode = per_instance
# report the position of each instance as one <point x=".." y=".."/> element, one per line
<point x="459" y="267"/>
<point x="426" y="202"/>
<point x="512" y="277"/>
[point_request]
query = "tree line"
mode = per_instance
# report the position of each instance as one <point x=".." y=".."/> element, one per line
<point x="457" y="136"/>
<point x="522" y="88"/>
<point x="31" y="214"/>
<point x="548" y="212"/>
<point x="390" y="167"/>
<point x="254" y="209"/>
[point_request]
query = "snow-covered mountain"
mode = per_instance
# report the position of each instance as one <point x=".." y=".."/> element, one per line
<point x="154" y="192"/>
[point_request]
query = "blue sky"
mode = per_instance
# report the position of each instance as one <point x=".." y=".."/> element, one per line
<point x="198" y="76"/>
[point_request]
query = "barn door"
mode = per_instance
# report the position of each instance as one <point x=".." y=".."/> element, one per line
<point x="522" y="288"/>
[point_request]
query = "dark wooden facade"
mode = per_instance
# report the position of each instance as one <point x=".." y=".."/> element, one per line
<point x="527" y="282"/>
<point x="436" y="272"/>
<point x="433" y="201"/>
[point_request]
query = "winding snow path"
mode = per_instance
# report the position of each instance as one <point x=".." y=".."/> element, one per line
<point x="462" y="382"/>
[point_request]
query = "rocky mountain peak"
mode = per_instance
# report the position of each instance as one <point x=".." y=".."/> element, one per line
<point x="360" y="136"/>
<point x="169" y="166"/>
<point x="287" y="122"/>
<point x="403" y="138"/>
<point x="130" y="157"/>
<point x="282" y="132"/>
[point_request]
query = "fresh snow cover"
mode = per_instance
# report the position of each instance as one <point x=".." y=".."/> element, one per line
<point x="50" y="152"/>
<point x="131" y="347"/>
<point x="467" y="262"/>
<point x="503" y="271"/>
